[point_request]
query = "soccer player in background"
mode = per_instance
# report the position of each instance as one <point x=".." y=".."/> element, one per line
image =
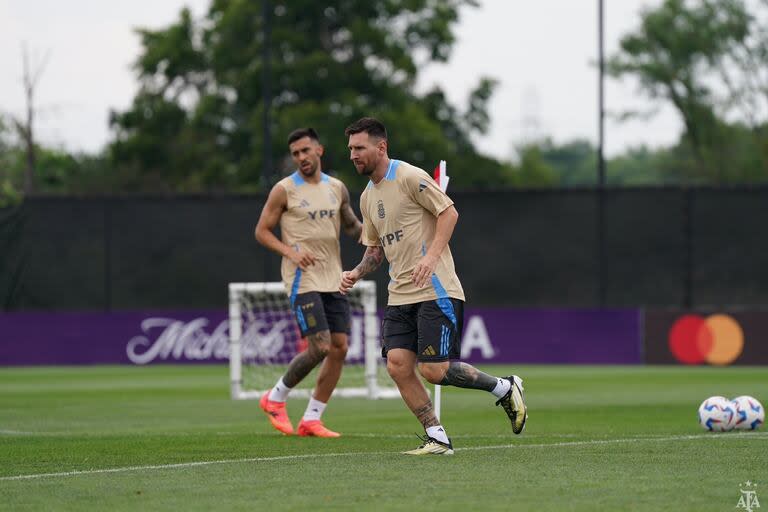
<point x="311" y="208"/>
<point x="409" y="219"/>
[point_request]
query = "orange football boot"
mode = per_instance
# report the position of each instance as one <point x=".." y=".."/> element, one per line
<point x="278" y="417"/>
<point x="315" y="428"/>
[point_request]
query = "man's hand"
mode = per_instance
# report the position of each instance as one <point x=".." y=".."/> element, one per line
<point x="302" y="259"/>
<point x="348" y="280"/>
<point x="423" y="270"/>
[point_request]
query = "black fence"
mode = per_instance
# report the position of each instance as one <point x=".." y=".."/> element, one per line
<point x="659" y="247"/>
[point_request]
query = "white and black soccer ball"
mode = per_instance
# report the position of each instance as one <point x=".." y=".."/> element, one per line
<point x="717" y="414"/>
<point x="750" y="414"/>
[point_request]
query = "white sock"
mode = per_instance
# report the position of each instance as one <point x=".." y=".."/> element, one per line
<point x="502" y="387"/>
<point x="280" y="392"/>
<point x="438" y="432"/>
<point x="314" y="410"/>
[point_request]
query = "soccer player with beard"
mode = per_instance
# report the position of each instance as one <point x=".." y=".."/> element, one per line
<point x="311" y="208"/>
<point x="409" y="219"/>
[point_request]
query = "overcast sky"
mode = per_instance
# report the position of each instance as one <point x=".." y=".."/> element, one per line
<point x="542" y="53"/>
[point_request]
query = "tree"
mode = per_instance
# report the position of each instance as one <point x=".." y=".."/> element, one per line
<point x="533" y="170"/>
<point x="744" y="73"/>
<point x="25" y="127"/>
<point x="673" y="55"/>
<point x="197" y="120"/>
<point x="10" y="182"/>
<point x="574" y="162"/>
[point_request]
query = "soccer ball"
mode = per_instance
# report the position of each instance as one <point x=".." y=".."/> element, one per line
<point x="749" y="413"/>
<point x="717" y="414"/>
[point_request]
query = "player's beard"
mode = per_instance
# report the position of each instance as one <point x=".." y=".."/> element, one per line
<point x="366" y="169"/>
<point x="308" y="170"/>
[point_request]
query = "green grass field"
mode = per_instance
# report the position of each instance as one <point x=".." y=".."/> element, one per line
<point x="169" y="438"/>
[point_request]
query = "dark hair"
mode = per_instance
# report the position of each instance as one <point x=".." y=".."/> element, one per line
<point x="373" y="127"/>
<point x="301" y="133"/>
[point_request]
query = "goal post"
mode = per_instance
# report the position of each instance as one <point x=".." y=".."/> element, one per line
<point x="264" y="338"/>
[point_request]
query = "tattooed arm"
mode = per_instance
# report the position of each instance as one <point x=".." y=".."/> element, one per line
<point x="350" y="224"/>
<point x="371" y="260"/>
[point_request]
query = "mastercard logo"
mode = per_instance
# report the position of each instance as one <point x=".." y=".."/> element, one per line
<point x="716" y="339"/>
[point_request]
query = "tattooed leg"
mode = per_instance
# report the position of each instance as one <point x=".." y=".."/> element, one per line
<point x="302" y="364"/>
<point x="463" y="375"/>
<point x="330" y="371"/>
<point x="425" y="413"/>
<point x="401" y="365"/>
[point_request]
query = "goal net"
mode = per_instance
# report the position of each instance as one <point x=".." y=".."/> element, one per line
<point x="264" y="338"/>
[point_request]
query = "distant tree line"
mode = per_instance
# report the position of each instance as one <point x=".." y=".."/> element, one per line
<point x="197" y="121"/>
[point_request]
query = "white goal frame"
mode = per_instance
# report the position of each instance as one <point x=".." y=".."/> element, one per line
<point x="372" y="353"/>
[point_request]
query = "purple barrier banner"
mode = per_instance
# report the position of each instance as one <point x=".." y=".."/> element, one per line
<point x="128" y="337"/>
<point x="491" y="335"/>
<point x="551" y="336"/>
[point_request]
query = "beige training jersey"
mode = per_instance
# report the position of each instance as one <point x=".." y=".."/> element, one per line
<point x="400" y="215"/>
<point x="311" y="223"/>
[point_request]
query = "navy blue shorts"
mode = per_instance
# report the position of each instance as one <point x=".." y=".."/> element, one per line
<point x="321" y="311"/>
<point x="432" y="329"/>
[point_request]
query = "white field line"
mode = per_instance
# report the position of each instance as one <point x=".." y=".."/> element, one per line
<point x="201" y="433"/>
<point x="711" y="437"/>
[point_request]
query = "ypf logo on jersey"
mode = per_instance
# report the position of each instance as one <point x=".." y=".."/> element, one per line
<point x="321" y="214"/>
<point x="391" y="238"/>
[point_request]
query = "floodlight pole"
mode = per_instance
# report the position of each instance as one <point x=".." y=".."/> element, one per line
<point x="266" y="88"/>
<point x="266" y="96"/>
<point x="600" y="94"/>
<point x="600" y="157"/>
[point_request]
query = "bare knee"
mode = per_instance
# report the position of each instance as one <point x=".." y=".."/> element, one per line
<point x="318" y="352"/>
<point x="399" y="369"/>
<point x="339" y="347"/>
<point x="319" y="345"/>
<point x="433" y="372"/>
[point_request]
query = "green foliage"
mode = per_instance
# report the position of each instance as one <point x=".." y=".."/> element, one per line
<point x="643" y="166"/>
<point x="574" y="163"/>
<point x="10" y="181"/>
<point x="57" y="170"/>
<point x="197" y="121"/>
<point x="680" y="53"/>
<point x="533" y="169"/>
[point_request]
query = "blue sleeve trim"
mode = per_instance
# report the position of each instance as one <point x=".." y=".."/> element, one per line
<point x="443" y="299"/>
<point x="324" y="178"/>
<point x="392" y="170"/>
<point x="298" y="179"/>
<point x="295" y="286"/>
